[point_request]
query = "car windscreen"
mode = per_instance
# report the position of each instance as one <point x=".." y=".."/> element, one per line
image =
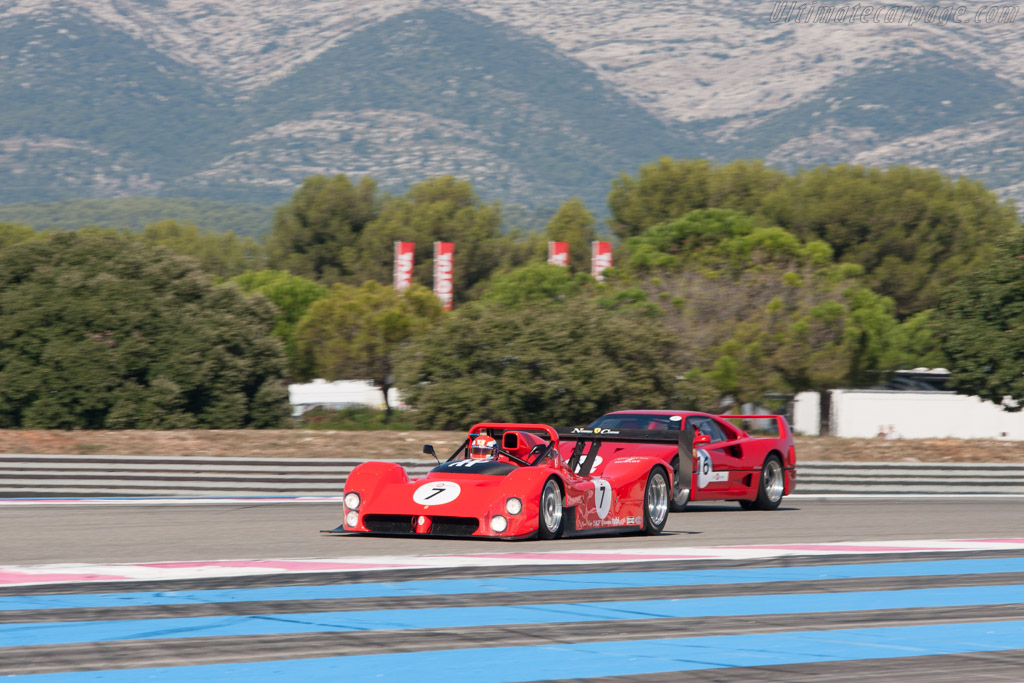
<point x="637" y="421"/>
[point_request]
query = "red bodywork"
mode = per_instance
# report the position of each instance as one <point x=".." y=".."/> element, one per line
<point x="726" y="468"/>
<point x="462" y="496"/>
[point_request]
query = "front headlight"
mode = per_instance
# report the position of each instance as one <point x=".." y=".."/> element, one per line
<point x="498" y="524"/>
<point x="513" y="506"/>
<point x="352" y="500"/>
<point x="352" y="518"/>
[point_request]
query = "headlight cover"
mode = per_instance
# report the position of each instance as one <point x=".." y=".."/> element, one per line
<point x="498" y="524"/>
<point x="352" y="500"/>
<point x="352" y="518"/>
<point x="513" y="506"/>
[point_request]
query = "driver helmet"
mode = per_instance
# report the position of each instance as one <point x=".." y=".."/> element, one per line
<point x="483" y="446"/>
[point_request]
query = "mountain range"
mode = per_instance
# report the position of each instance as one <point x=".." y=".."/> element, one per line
<point x="534" y="101"/>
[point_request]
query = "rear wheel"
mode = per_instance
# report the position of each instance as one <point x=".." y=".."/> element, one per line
<point x="656" y="502"/>
<point x="681" y="490"/>
<point x="550" y="511"/>
<point x="770" y="488"/>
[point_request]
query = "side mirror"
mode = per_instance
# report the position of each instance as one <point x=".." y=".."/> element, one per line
<point x="429" y="450"/>
<point x="701" y="439"/>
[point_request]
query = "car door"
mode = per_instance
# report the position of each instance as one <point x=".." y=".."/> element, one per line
<point x="713" y="461"/>
<point x="590" y="495"/>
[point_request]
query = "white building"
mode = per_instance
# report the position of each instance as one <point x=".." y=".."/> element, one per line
<point x="337" y="395"/>
<point x="869" y="413"/>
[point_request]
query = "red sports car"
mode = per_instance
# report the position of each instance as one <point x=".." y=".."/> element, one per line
<point x="515" y="481"/>
<point x="728" y="462"/>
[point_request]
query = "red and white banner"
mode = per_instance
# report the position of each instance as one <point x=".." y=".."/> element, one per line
<point x="600" y="258"/>
<point x="558" y="253"/>
<point x="405" y="253"/>
<point x="444" y="259"/>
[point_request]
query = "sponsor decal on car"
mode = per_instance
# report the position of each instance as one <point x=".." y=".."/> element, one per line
<point x="706" y="473"/>
<point x="595" y="430"/>
<point x="467" y="464"/>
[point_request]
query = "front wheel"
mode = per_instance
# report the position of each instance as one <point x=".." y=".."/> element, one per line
<point x="770" y="487"/>
<point x="550" y="511"/>
<point x="683" y="485"/>
<point x="656" y="502"/>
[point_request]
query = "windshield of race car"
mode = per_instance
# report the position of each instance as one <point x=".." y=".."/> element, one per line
<point x="637" y="421"/>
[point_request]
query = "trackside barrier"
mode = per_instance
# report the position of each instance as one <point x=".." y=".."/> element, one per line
<point x="50" y="476"/>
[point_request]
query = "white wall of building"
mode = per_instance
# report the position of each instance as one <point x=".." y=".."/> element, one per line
<point x="338" y="395"/>
<point x="868" y="413"/>
<point x="807" y="414"/>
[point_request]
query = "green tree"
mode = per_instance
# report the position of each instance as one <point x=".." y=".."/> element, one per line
<point x="670" y="188"/>
<point x="981" y="326"/>
<point x="315" y="234"/>
<point x="15" y="233"/>
<point x="759" y="311"/>
<point x="292" y="295"/>
<point x="538" y="282"/>
<point x="358" y="332"/>
<point x="556" y="362"/>
<point x="912" y="230"/>
<point x="100" y="331"/>
<point x="663" y="190"/>
<point x="441" y="209"/>
<point x="134" y="213"/>
<point x="221" y="254"/>
<point x="572" y="223"/>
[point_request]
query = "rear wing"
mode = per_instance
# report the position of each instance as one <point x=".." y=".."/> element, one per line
<point x="582" y="462"/>
<point x="777" y="423"/>
<point x="588" y="440"/>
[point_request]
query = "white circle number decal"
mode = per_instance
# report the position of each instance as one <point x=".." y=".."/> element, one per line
<point x="437" y="493"/>
<point x="602" y="497"/>
<point x="704" y="469"/>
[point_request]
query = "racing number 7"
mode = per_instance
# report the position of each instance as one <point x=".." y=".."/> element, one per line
<point x="436" y="490"/>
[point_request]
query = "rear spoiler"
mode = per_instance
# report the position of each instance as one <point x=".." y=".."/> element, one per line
<point x="583" y="462"/>
<point x="781" y="425"/>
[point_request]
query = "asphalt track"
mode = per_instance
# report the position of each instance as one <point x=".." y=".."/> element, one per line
<point x="912" y="616"/>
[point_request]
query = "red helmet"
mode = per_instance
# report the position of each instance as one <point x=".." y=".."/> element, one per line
<point x="483" y="446"/>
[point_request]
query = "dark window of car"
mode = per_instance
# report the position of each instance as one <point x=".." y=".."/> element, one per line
<point x="705" y="425"/>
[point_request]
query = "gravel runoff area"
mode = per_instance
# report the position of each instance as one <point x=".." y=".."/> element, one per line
<point x="307" y="443"/>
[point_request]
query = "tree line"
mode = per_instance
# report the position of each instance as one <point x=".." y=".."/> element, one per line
<point x="732" y="282"/>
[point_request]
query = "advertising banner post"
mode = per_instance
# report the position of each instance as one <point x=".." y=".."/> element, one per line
<point x="558" y="253"/>
<point x="444" y="260"/>
<point x="405" y="253"/>
<point x="600" y="258"/>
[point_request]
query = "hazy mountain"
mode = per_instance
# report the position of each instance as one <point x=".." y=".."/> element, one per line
<point x="533" y="101"/>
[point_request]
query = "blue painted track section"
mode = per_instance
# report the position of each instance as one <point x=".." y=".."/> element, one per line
<point x="622" y="658"/>
<point x="463" y="617"/>
<point x="517" y="584"/>
<point x="978" y="631"/>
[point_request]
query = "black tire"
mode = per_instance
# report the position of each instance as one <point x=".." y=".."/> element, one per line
<point x="550" y="517"/>
<point x="682" y="486"/>
<point x="656" y="502"/>
<point x="770" y="486"/>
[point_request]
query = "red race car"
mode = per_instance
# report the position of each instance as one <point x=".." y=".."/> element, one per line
<point x="728" y="463"/>
<point x="516" y="481"/>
